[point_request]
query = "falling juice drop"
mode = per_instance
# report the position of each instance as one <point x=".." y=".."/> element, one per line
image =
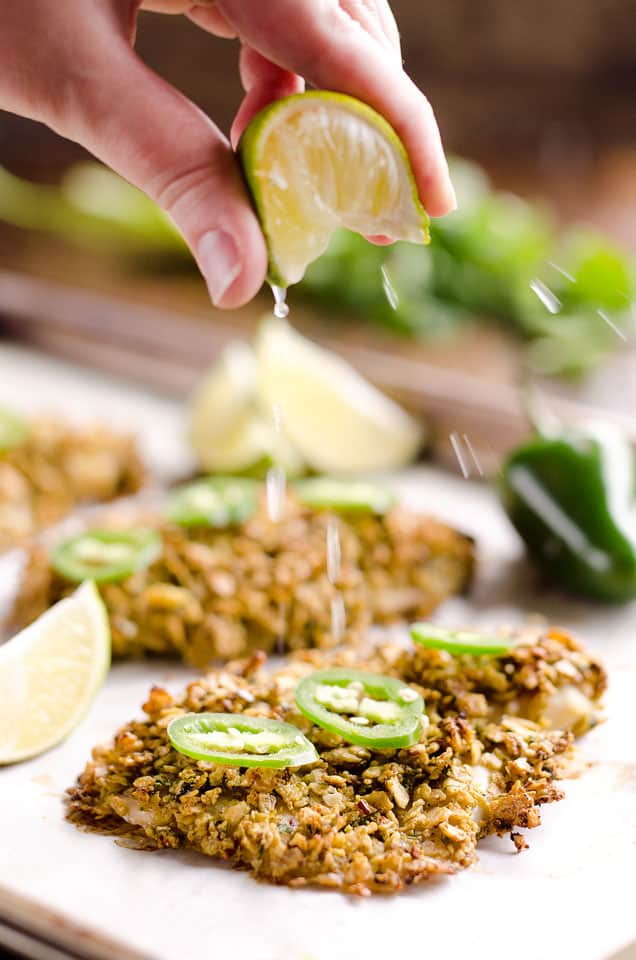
<point x="333" y="549"/>
<point x="281" y="310"/>
<point x="338" y="616"/>
<point x="275" y="488"/>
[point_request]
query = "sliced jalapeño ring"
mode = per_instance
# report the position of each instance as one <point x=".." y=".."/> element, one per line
<point x="106" y="555"/>
<point x="213" y="502"/>
<point x="334" y="493"/>
<point x="367" y="709"/>
<point x="239" y="740"/>
<point x="459" y="642"/>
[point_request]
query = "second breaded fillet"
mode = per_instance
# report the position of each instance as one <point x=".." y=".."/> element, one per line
<point x="219" y="593"/>
<point x="56" y="468"/>
<point x="357" y="820"/>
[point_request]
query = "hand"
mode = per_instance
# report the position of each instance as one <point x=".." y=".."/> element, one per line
<point x="71" y="64"/>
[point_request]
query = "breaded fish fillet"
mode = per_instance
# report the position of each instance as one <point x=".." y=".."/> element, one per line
<point x="357" y="820"/>
<point x="56" y="468"/>
<point x="264" y="585"/>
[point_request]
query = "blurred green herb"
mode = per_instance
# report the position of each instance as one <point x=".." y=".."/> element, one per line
<point x="497" y="258"/>
<point x="91" y="206"/>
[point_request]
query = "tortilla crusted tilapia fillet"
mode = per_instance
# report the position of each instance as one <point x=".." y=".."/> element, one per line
<point x="356" y="820"/>
<point x="56" y="468"/>
<point x="220" y="593"/>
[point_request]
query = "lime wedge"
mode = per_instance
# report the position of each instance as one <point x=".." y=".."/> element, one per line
<point x="252" y="447"/>
<point x="228" y="431"/>
<point x="320" y="160"/>
<point x="221" y="400"/>
<point x="337" y="421"/>
<point x="50" y="673"/>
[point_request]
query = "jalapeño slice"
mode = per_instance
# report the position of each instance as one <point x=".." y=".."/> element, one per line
<point x="335" y="494"/>
<point x="106" y="555"/>
<point x="240" y="740"/>
<point x="368" y="709"/>
<point x="13" y="430"/>
<point x="461" y="641"/>
<point x="213" y="502"/>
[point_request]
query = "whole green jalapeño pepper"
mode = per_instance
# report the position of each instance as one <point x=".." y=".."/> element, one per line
<point x="571" y="498"/>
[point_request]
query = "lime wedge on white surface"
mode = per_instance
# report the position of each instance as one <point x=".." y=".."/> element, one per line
<point x="50" y="673"/>
<point x="228" y="431"/>
<point x="221" y="399"/>
<point x="252" y="443"/>
<point x="338" y="421"/>
<point x="320" y="160"/>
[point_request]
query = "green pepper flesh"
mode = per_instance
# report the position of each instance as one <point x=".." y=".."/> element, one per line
<point x="458" y="642"/>
<point x="336" y="494"/>
<point x="367" y="709"/>
<point x="213" y="502"/>
<point x="240" y="740"/>
<point x="571" y="499"/>
<point x="106" y="556"/>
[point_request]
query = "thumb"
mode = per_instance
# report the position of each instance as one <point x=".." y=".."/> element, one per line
<point x="159" y="140"/>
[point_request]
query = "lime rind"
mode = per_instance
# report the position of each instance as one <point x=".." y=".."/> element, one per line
<point x="250" y="150"/>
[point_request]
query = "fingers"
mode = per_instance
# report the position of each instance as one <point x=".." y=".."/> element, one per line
<point x="376" y="18"/>
<point x="161" y="142"/>
<point x="212" y="20"/>
<point x="320" y="41"/>
<point x="263" y="82"/>
<point x="387" y="20"/>
<point x="204" y="13"/>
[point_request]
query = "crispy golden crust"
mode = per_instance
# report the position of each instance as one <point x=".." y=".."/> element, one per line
<point x="356" y="820"/>
<point x="264" y="585"/>
<point x="57" y="468"/>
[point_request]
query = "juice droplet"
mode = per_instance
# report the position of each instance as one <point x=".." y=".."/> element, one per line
<point x="333" y="549"/>
<point x="389" y="290"/>
<point x="276" y="486"/>
<point x="338" y="617"/>
<point x="549" y="299"/>
<point x="281" y="310"/>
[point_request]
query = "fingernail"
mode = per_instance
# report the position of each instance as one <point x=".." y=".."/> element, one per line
<point x="220" y="263"/>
